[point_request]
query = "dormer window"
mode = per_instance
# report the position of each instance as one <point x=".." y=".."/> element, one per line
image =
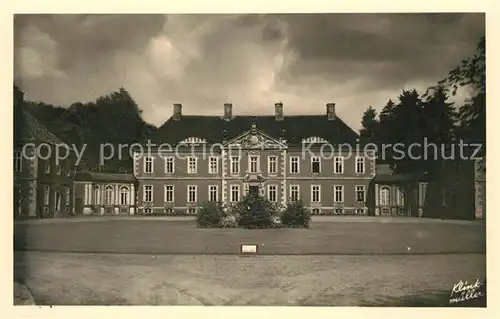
<point x="193" y="140"/>
<point x="314" y="140"/>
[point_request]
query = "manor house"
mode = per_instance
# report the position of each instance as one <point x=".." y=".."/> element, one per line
<point x="224" y="158"/>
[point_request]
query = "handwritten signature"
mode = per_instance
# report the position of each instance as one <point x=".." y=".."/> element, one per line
<point x="463" y="291"/>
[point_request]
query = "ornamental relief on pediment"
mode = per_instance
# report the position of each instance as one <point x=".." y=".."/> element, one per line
<point x="256" y="141"/>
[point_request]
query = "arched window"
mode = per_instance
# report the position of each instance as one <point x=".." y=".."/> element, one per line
<point x="384" y="196"/>
<point x="97" y="195"/>
<point x="124" y="195"/>
<point x="109" y="195"/>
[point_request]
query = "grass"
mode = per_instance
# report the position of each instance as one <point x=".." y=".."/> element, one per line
<point x="115" y="279"/>
<point x="158" y="262"/>
<point x="182" y="237"/>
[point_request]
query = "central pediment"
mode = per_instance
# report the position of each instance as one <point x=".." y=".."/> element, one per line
<point x="256" y="139"/>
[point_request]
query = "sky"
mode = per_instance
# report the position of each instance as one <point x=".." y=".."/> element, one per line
<point x="251" y="61"/>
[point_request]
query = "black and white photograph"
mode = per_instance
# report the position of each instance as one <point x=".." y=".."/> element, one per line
<point x="253" y="159"/>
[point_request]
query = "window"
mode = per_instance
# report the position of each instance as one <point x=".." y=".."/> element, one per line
<point x="169" y="165"/>
<point x="272" y="193"/>
<point x="66" y="196"/>
<point x="315" y="193"/>
<point x="169" y="211"/>
<point x="46" y="194"/>
<point x="315" y="211"/>
<point x="339" y="194"/>
<point x="338" y="211"/>
<point x="272" y="163"/>
<point x="124" y="195"/>
<point x="148" y="164"/>
<point x="360" y="165"/>
<point x="97" y="195"/>
<point x="212" y="193"/>
<point x="294" y="193"/>
<point x="148" y="211"/>
<point x="148" y="193"/>
<point x="191" y="211"/>
<point x="192" y="165"/>
<point x="360" y="193"/>
<point x="213" y="167"/>
<point x="18" y="161"/>
<point x="360" y="211"/>
<point x="235" y="165"/>
<point x="169" y="193"/>
<point x="254" y="163"/>
<point x="110" y="195"/>
<point x="235" y="193"/>
<point x="192" y="192"/>
<point x="384" y="196"/>
<point x="294" y="164"/>
<point x="47" y="167"/>
<point x="316" y="167"/>
<point x="338" y="163"/>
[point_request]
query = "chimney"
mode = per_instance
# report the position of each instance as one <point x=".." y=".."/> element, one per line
<point x="330" y="111"/>
<point x="177" y="112"/>
<point x="228" y="111"/>
<point x="18" y="96"/>
<point x="278" y="108"/>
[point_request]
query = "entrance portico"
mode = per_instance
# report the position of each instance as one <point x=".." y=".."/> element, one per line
<point x="253" y="184"/>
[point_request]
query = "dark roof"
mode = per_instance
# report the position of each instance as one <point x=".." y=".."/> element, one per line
<point x="396" y="178"/>
<point x="104" y="177"/>
<point x="291" y="128"/>
<point x="28" y="128"/>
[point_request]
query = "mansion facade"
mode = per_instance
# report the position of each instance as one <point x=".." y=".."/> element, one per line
<point x="222" y="159"/>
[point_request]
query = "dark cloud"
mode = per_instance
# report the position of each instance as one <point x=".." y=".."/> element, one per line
<point x="389" y="48"/>
<point x="251" y="60"/>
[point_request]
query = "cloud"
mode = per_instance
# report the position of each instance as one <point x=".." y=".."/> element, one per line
<point x="203" y="61"/>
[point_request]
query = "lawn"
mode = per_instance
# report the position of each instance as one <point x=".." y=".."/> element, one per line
<point x="115" y="279"/>
<point x="182" y="237"/>
<point x="158" y="262"/>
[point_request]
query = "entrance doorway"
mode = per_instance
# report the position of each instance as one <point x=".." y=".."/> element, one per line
<point x="253" y="190"/>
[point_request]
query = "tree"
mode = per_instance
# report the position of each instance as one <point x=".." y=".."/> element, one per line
<point x="471" y="73"/>
<point x="440" y="116"/>
<point x="114" y="118"/>
<point x="369" y="125"/>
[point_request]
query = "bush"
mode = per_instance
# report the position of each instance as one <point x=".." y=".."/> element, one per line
<point x="296" y="215"/>
<point x="254" y="212"/>
<point x="210" y="215"/>
<point x="276" y="222"/>
<point x="229" y="221"/>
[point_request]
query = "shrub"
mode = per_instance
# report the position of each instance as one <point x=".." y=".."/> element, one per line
<point x="210" y="215"/>
<point x="276" y="222"/>
<point x="296" y="215"/>
<point x="229" y="221"/>
<point x="254" y="212"/>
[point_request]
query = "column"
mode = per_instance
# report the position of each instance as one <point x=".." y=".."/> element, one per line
<point x="117" y="199"/>
<point x="132" y="199"/>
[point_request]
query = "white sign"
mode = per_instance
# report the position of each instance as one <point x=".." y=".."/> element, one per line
<point x="249" y="249"/>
